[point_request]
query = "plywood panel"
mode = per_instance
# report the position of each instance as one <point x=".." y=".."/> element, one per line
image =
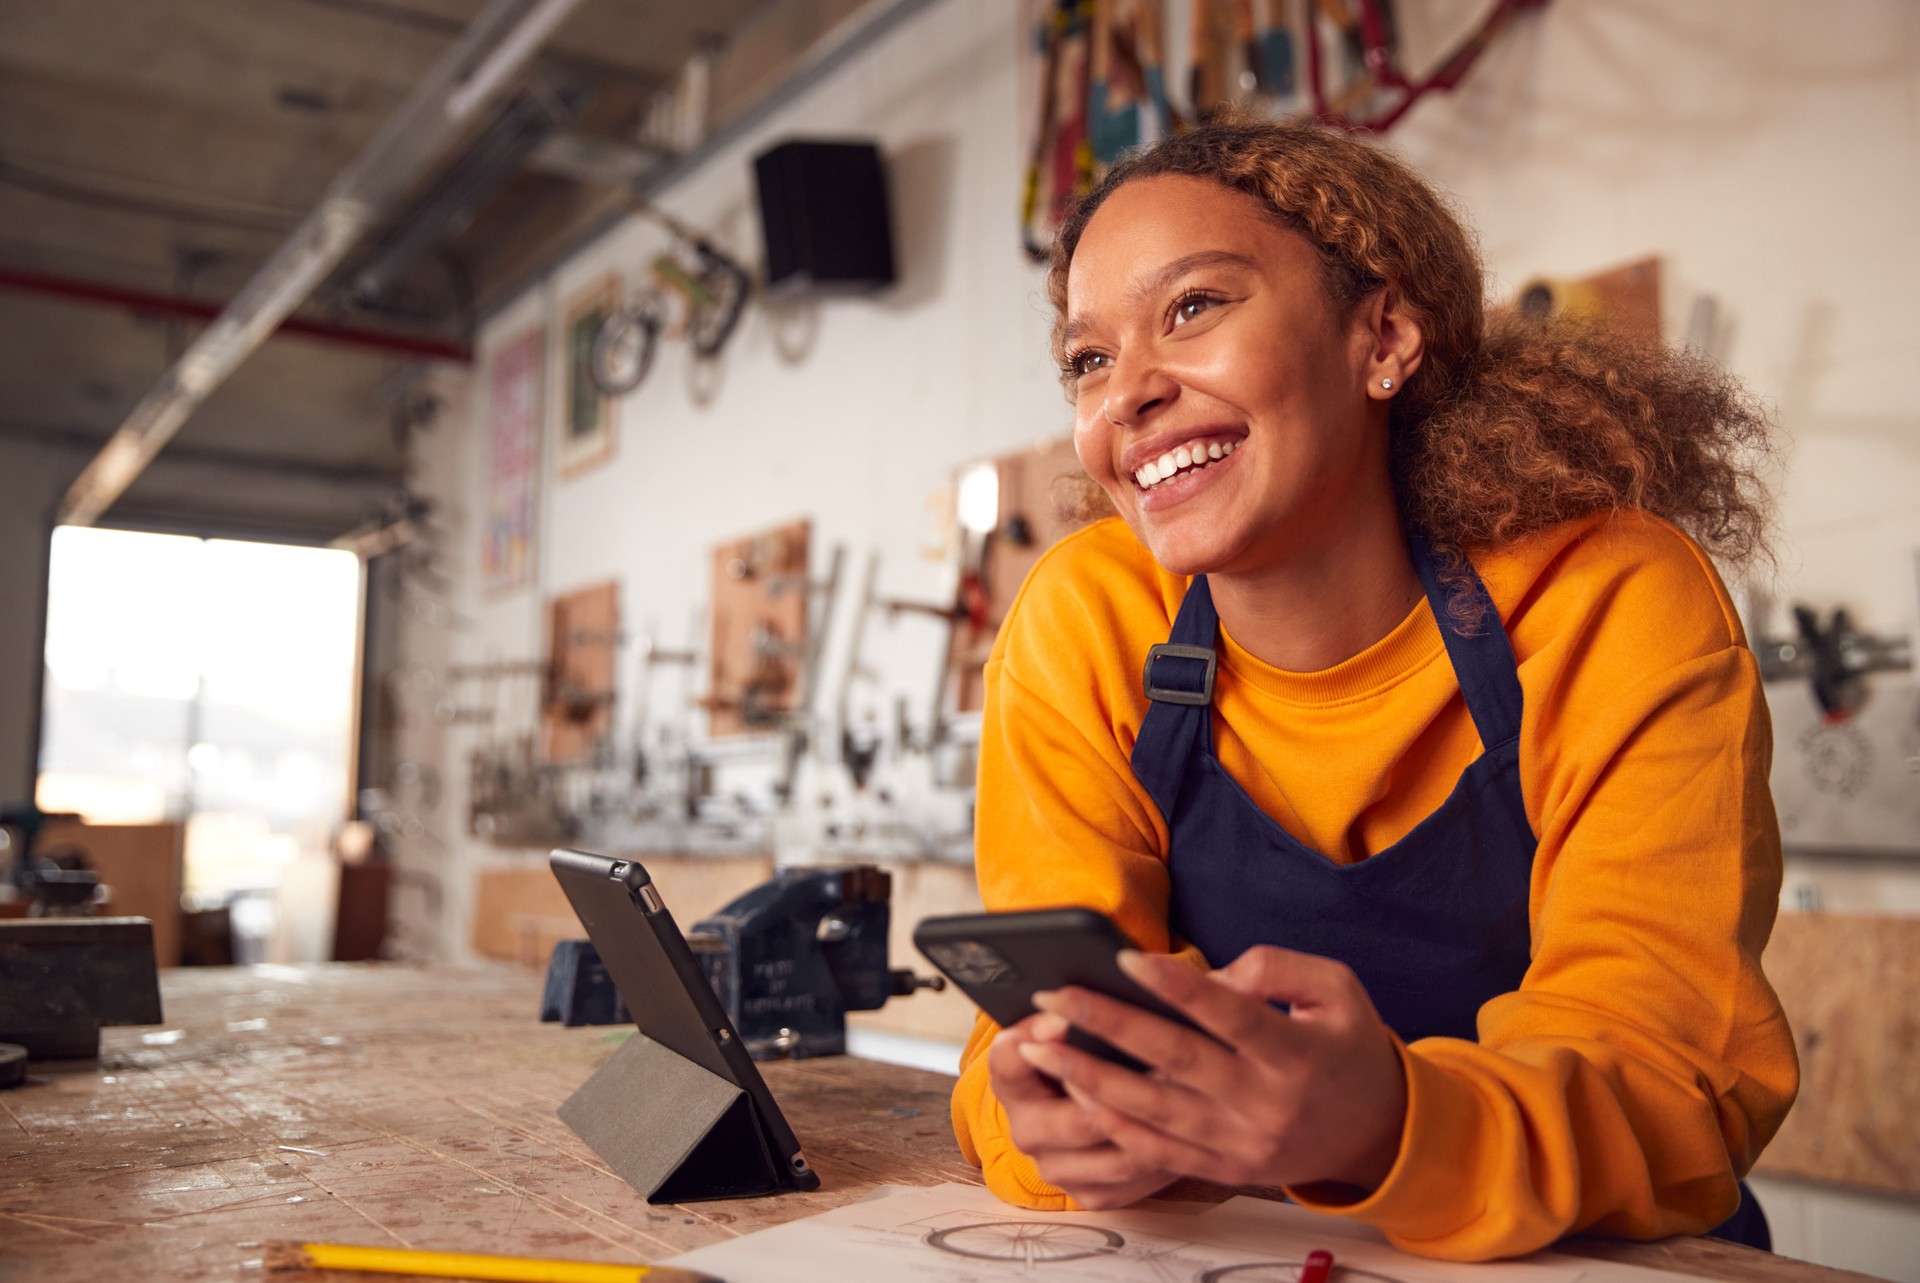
<point x="1851" y="990"/>
<point x="387" y="1106"/>
<point x="1625" y="299"/>
<point x="396" y="1106"/>
<point x="921" y="890"/>
<point x="143" y="866"/>
<point x="583" y="638"/>
<point x="760" y="595"/>
<point x="521" y="913"/>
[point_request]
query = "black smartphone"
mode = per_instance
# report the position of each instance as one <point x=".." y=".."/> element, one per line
<point x="1000" y="960"/>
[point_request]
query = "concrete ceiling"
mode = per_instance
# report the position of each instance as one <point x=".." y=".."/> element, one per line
<point x="169" y="146"/>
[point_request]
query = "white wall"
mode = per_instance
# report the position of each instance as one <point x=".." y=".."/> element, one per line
<point x="1769" y="150"/>
<point x="861" y="432"/>
<point x="1770" y="153"/>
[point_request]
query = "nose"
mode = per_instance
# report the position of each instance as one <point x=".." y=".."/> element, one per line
<point x="1135" y="389"/>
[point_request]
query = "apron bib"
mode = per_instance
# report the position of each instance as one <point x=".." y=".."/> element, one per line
<point x="1436" y="924"/>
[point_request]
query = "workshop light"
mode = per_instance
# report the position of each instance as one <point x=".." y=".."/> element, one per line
<point x="979" y="501"/>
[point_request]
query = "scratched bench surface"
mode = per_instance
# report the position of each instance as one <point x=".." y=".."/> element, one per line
<point x="391" y="1105"/>
<point x="384" y="1105"/>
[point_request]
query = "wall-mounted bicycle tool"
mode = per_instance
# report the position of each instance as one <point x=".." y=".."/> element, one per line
<point x="694" y="291"/>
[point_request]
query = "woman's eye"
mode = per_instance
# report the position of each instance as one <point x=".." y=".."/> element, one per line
<point x="1191" y="307"/>
<point x="1085" y="363"/>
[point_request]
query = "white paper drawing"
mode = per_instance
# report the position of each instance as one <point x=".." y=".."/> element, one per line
<point x="963" y="1234"/>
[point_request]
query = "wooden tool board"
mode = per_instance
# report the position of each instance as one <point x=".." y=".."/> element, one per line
<point x="1625" y="299"/>
<point x="760" y="594"/>
<point x="1032" y="488"/>
<point x="583" y="639"/>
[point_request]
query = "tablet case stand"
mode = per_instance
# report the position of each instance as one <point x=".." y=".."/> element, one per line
<point x="674" y="1130"/>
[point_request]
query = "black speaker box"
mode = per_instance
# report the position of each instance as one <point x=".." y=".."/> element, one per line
<point x="823" y="208"/>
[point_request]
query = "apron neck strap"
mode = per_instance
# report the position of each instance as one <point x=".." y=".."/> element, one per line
<point x="1482" y="656"/>
<point x="1181" y="670"/>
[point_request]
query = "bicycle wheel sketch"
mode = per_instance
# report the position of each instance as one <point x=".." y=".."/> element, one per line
<point x="1286" y="1272"/>
<point x="1029" y="1242"/>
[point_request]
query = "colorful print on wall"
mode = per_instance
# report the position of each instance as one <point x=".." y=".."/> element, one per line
<point x="587" y="418"/>
<point x="513" y="470"/>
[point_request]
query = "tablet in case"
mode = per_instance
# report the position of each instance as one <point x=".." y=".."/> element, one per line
<point x="680" y="1111"/>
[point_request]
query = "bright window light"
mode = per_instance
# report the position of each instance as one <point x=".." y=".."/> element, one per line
<point x="203" y="680"/>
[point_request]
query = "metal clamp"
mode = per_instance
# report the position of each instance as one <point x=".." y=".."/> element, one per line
<point x="1175" y="695"/>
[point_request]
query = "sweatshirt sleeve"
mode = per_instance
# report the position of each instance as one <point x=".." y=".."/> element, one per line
<point x="1062" y="821"/>
<point x="1644" y="1061"/>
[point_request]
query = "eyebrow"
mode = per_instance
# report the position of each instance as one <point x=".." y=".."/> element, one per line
<point x="1160" y="281"/>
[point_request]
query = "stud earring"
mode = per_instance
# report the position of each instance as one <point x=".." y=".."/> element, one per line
<point x="1386" y="385"/>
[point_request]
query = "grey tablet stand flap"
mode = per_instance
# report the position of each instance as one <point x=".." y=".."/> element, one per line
<point x="673" y="1130"/>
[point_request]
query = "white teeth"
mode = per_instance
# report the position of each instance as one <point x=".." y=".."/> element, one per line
<point x="1152" y="473"/>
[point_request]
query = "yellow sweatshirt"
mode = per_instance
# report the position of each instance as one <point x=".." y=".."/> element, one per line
<point x="1644" y="1061"/>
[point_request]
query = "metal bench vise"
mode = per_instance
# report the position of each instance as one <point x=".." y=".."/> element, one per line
<point x="63" y="978"/>
<point x="788" y="960"/>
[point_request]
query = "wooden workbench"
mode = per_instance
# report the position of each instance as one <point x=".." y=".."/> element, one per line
<point x="388" y="1105"/>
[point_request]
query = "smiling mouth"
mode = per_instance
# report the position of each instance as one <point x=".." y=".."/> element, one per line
<point x="1179" y="462"/>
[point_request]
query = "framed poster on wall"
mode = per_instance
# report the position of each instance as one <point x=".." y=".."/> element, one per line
<point x="513" y="466"/>
<point x="586" y="415"/>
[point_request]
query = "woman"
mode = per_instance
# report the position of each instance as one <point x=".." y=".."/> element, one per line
<point x="1459" y="784"/>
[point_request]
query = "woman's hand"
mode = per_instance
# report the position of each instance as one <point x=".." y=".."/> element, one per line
<point x="1057" y="1133"/>
<point x="1317" y="1095"/>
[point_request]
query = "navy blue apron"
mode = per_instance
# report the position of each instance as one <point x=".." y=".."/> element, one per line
<point x="1436" y="924"/>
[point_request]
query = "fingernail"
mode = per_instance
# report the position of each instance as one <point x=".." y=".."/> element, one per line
<point x="1044" y="1058"/>
<point x="1049" y="1025"/>
<point x="1134" y="963"/>
<point x="1046" y="1000"/>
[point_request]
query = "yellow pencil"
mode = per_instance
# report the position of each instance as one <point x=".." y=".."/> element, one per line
<point x="467" y="1265"/>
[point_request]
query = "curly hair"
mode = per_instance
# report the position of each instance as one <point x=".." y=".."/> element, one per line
<point x="1512" y="423"/>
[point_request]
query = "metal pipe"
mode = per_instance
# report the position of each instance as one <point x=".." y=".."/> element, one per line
<point x="146" y="301"/>
<point x="514" y="48"/>
<point x="494" y="157"/>
<point x="497" y="42"/>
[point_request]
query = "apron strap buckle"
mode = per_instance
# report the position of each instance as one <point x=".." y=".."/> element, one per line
<point x="1184" y="683"/>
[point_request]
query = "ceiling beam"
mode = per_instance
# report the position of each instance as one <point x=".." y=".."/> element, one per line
<point x="469" y="74"/>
